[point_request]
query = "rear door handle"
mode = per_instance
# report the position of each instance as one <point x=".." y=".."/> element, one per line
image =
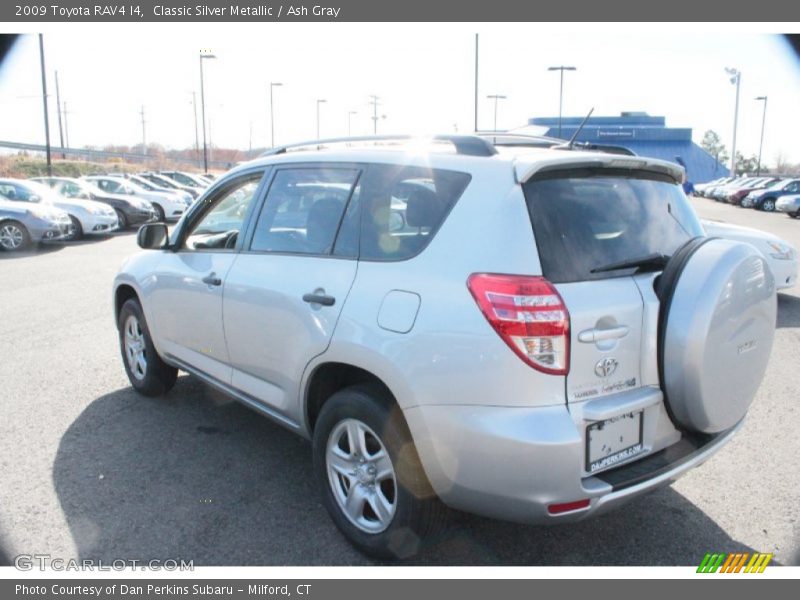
<point x="212" y="279"/>
<point x="590" y="336"/>
<point x="322" y="299"/>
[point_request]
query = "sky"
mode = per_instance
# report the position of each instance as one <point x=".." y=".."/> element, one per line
<point x="423" y="74"/>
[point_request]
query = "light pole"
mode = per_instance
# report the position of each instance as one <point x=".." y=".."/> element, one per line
<point x="204" y="54"/>
<point x="374" y="100"/>
<point x="761" y="143"/>
<point x="736" y="79"/>
<point x="496" y="97"/>
<point x="196" y="135"/>
<point x="561" y="91"/>
<point x="319" y="101"/>
<point x="272" y="85"/>
<point x="44" y="102"/>
<point x="349" y="121"/>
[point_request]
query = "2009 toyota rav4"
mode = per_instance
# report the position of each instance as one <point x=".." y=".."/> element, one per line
<point x="531" y="334"/>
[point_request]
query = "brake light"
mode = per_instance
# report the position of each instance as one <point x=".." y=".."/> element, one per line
<point x="529" y="315"/>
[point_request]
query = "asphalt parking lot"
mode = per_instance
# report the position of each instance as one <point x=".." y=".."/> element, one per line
<point x="89" y="469"/>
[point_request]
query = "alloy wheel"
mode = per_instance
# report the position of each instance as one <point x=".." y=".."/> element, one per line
<point x="361" y="476"/>
<point x="135" y="348"/>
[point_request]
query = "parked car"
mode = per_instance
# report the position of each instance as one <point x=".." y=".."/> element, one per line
<point x="163" y="180"/>
<point x="23" y="224"/>
<point x="86" y="216"/>
<point x="780" y="255"/>
<point x="130" y="211"/>
<point x="168" y="206"/>
<point x="701" y="189"/>
<point x="719" y="193"/>
<point x="150" y="186"/>
<point x="548" y="334"/>
<point x="735" y="197"/>
<point x="789" y="204"/>
<point x="766" y="200"/>
<point x="186" y="179"/>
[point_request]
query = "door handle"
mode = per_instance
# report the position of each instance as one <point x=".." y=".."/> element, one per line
<point x="212" y="279"/>
<point x="590" y="336"/>
<point x="322" y="299"/>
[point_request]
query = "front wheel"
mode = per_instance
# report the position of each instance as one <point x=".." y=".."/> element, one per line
<point x="768" y="205"/>
<point x="148" y="374"/>
<point x="75" y="231"/>
<point x="122" y="219"/>
<point x="370" y="475"/>
<point x="160" y="215"/>
<point x="14" y="236"/>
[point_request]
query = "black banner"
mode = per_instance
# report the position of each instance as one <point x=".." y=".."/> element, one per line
<point x="408" y="10"/>
<point x="395" y="589"/>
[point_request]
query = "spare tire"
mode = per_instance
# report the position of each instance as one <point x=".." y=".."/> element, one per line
<point x="715" y="334"/>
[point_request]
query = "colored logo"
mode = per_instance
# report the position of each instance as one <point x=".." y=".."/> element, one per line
<point x="743" y="562"/>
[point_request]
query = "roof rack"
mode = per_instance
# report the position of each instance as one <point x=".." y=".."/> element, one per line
<point x="469" y="145"/>
<point x="482" y="143"/>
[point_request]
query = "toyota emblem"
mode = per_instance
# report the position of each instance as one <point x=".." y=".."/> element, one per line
<point x="606" y="367"/>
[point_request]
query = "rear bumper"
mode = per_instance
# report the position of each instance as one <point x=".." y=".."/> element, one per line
<point x="513" y="463"/>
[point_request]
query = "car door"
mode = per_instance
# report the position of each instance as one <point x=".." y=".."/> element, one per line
<point x="186" y="301"/>
<point x="285" y="291"/>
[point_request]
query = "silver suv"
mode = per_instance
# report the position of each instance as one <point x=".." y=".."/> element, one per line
<point x="530" y="334"/>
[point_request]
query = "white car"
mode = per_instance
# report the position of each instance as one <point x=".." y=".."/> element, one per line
<point x="781" y="256"/>
<point x="529" y="334"/>
<point x="789" y="205"/>
<point x="87" y="216"/>
<point x="169" y="207"/>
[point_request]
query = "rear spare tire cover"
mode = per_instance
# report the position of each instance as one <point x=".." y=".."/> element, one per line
<point x="717" y="324"/>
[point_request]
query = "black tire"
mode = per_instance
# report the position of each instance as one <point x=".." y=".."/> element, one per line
<point x="76" y="232"/>
<point x="161" y="217"/>
<point x="418" y="512"/>
<point x="123" y="220"/>
<point x="795" y="214"/>
<point x="768" y="205"/>
<point x="14" y="236"/>
<point x="157" y="377"/>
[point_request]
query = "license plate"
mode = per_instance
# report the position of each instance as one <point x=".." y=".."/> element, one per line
<point x="613" y="441"/>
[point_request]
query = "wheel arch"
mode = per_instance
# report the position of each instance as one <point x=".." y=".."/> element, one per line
<point x="330" y="377"/>
<point x="122" y="294"/>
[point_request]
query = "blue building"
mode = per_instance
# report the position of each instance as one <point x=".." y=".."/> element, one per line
<point x="645" y="136"/>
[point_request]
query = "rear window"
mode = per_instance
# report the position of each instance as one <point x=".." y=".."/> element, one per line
<point x="584" y="219"/>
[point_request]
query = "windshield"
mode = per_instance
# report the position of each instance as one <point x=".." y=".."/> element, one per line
<point x="587" y="219"/>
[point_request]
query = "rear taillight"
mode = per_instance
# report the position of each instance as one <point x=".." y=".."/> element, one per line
<point x="529" y="315"/>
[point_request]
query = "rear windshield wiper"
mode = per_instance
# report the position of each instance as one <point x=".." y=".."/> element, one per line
<point x="651" y="262"/>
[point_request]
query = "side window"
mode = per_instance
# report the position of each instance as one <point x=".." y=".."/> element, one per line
<point x="219" y="227"/>
<point x="403" y="207"/>
<point x="304" y="209"/>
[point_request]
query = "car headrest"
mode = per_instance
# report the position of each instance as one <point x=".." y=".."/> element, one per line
<point x="424" y="208"/>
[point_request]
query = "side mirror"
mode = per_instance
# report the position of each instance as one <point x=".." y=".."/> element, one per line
<point x="152" y="236"/>
<point x="34" y="198"/>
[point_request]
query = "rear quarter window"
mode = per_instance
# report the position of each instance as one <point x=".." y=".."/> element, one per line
<point x="588" y="218"/>
<point x="404" y="207"/>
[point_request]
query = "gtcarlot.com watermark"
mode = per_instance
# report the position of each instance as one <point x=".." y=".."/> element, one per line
<point x="45" y="562"/>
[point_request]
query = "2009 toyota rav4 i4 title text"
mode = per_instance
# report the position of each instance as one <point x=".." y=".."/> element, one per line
<point x="528" y="333"/>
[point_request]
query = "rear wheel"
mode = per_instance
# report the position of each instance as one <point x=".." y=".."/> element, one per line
<point x="370" y="475"/>
<point x="14" y="236"/>
<point x="148" y="374"/>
